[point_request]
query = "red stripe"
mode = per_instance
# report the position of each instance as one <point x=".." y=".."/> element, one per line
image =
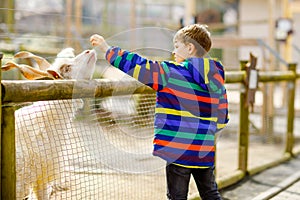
<point x="191" y="147"/>
<point x="161" y="69"/>
<point x="191" y="96"/>
<point x="155" y="80"/>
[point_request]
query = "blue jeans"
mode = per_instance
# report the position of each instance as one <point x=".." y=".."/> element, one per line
<point x="178" y="179"/>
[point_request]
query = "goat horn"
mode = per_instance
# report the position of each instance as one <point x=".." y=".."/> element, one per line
<point x="42" y="63"/>
<point x="27" y="71"/>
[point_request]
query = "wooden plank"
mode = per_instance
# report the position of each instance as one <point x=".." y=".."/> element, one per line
<point x="235" y="76"/>
<point x="1" y="56"/>
<point x="233" y="42"/>
<point x="290" y="138"/>
<point x="275" y="76"/>
<point x="243" y="129"/>
<point x="230" y="179"/>
<point x="39" y="90"/>
<point x="8" y="154"/>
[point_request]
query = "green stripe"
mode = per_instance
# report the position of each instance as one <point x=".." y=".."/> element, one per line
<point x="117" y="61"/>
<point x="163" y="79"/>
<point x="129" y="56"/>
<point x="214" y="87"/>
<point x="192" y="136"/>
<point x="186" y="84"/>
<point x="166" y="68"/>
<point x="186" y="64"/>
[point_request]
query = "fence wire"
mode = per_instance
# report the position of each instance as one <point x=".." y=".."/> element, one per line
<point x="88" y="149"/>
<point x="297" y="116"/>
<point x="102" y="148"/>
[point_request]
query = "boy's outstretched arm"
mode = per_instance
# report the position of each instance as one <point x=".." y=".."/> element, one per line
<point x="151" y="73"/>
<point x="98" y="40"/>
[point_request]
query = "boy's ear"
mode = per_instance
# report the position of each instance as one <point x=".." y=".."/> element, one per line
<point x="191" y="49"/>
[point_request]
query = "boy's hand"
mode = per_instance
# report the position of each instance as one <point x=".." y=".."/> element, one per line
<point x="98" y="40"/>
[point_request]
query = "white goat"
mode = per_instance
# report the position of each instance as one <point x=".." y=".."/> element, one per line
<point x="43" y="128"/>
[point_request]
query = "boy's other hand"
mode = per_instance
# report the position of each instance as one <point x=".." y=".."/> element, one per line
<point x="98" y="40"/>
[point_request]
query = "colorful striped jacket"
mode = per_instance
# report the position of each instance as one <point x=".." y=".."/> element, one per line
<point x="191" y="104"/>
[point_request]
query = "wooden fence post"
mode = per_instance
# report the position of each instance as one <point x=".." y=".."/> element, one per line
<point x="243" y="127"/>
<point x="7" y="149"/>
<point x="8" y="154"/>
<point x="68" y="23"/>
<point x="291" y="112"/>
<point x="1" y="56"/>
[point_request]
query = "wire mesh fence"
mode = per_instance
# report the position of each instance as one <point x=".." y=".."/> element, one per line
<point x="101" y="148"/>
<point x="297" y="116"/>
<point x="91" y="149"/>
<point x="268" y="126"/>
<point x="227" y="140"/>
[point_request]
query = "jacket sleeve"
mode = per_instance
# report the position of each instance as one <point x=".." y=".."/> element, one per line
<point x="151" y="73"/>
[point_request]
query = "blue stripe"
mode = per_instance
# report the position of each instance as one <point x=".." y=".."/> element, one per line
<point x="126" y="65"/>
<point x="181" y="73"/>
<point x="180" y="152"/>
<point x="193" y="126"/>
<point x="205" y="159"/>
<point x="162" y="116"/>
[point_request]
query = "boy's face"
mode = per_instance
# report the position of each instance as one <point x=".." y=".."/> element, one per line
<point x="180" y="51"/>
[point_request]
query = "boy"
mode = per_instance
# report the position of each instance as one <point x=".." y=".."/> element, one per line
<point x="191" y="107"/>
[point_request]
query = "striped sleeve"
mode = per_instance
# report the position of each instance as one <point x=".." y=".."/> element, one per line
<point x="151" y="73"/>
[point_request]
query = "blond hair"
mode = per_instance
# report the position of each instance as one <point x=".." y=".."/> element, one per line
<point x="198" y="35"/>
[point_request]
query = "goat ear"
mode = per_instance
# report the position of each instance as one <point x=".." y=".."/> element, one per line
<point x="9" y="65"/>
<point x="42" y="63"/>
<point x="55" y="74"/>
<point x="27" y="71"/>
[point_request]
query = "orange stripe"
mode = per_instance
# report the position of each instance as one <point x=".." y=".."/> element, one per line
<point x="223" y="105"/>
<point x="192" y="97"/>
<point x="111" y="53"/>
<point x="121" y="52"/>
<point x="191" y="147"/>
<point x="155" y="80"/>
<point x="161" y="69"/>
<point x="219" y="78"/>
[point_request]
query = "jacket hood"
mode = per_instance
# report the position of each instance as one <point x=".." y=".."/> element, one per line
<point x="206" y="71"/>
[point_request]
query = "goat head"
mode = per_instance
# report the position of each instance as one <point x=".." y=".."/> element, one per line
<point x="65" y="66"/>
